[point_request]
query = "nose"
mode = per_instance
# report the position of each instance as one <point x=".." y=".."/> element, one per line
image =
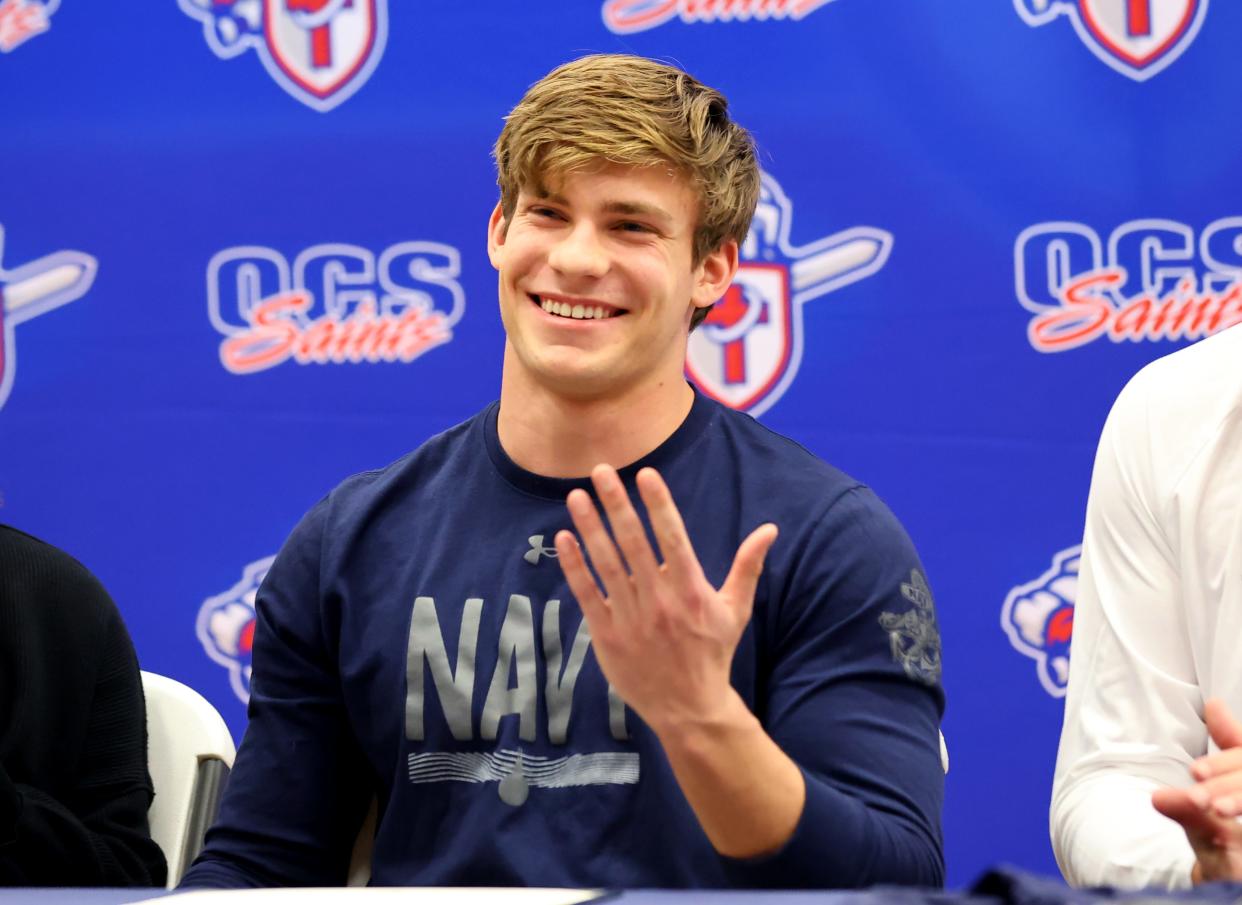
<point x="578" y="252"/>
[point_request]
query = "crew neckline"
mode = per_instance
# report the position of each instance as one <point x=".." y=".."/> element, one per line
<point x="683" y="438"/>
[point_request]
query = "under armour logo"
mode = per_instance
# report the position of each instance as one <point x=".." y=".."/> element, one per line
<point x="537" y="549"/>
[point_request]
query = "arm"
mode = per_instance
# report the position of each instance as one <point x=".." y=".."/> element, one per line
<point x="1132" y="714"/>
<point x="299" y="787"/>
<point x="804" y="791"/>
<point x="92" y="831"/>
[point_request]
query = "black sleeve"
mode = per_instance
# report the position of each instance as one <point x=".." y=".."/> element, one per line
<point x="94" y="831"/>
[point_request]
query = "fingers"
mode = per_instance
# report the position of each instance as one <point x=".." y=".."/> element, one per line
<point x="1219" y="775"/>
<point x="581" y="582"/>
<point x="739" y="588"/>
<point x="599" y="545"/>
<point x="628" y="530"/>
<point x="1221" y="765"/>
<point x="1224" y="729"/>
<point x="670" y="531"/>
<point x="1178" y="804"/>
<point x="1222" y="794"/>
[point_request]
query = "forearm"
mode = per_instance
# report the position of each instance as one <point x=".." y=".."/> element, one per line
<point x="1105" y="832"/>
<point x="106" y="845"/>
<point x="747" y="794"/>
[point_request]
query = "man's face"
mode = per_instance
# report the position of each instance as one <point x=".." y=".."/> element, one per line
<point x="597" y="283"/>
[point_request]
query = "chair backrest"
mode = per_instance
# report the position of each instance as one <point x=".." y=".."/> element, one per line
<point x="190" y="751"/>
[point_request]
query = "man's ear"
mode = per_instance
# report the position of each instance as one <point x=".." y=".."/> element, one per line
<point x="714" y="274"/>
<point x="497" y="228"/>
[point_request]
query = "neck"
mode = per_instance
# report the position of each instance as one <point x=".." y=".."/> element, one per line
<point x="559" y="436"/>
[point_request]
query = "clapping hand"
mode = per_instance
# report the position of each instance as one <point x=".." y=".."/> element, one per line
<point x="1208" y="810"/>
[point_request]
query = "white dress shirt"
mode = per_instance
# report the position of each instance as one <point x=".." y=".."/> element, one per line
<point x="1158" y="618"/>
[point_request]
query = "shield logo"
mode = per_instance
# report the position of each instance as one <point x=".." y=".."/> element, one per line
<point x="747" y="351"/>
<point x="1137" y="38"/>
<point x="320" y="51"/>
<point x="742" y="349"/>
<point x="1139" y="32"/>
<point x="321" y="45"/>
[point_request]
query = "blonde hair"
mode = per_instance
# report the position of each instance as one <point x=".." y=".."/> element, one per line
<point x="636" y="112"/>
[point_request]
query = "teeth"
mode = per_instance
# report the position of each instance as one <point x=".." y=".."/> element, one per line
<point x="577" y="312"/>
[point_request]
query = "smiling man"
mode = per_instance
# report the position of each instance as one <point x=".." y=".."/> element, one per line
<point x="606" y="633"/>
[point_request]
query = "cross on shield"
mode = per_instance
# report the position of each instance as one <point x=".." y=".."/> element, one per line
<point x="742" y="349"/>
<point x="321" y="45"/>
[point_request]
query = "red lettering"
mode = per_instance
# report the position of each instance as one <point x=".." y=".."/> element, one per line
<point x="1083" y="317"/>
<point x="638" y="15"/>
<point x="1132" y="320"/>
<point x="1194" y="310"/>
<point x="269" y="341"/>
<point x="1223" y="319"/>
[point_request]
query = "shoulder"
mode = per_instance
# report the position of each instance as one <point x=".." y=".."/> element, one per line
<point x="433" y="462"/>
<point x="779" y="467"/>
<point x="826" y="517"/>
<point x="813" y="502"/>
<point x="1177" y="405"/>
<point x="437" y="467"/>
<point x="46" y="580"/>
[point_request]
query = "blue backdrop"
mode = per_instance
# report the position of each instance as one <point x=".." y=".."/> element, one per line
<point x="243" y="257"/>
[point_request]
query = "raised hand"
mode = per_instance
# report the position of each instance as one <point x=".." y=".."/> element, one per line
<point x="664" y="637"/>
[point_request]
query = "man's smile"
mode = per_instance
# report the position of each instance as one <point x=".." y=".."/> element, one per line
<point x="575" y="309"/>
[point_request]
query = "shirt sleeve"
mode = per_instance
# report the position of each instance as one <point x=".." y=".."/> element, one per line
<point x="855" y="700"/>
<point x="1133" y="714"/>
<point x="300" y="786"/>
<point x="92" y="831"/>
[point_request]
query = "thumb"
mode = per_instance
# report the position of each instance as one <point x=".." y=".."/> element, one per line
<point x="743" y="578"/>
<point x="1224" y="729"/>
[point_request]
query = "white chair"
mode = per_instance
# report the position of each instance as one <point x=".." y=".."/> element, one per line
<point x="190" y="752"/>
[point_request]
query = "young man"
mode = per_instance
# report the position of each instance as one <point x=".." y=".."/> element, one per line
<point x="620" y="707"/>
<point x="1148" y="783"/>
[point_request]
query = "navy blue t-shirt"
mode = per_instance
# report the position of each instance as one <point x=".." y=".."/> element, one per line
<point x="417" y="643"/>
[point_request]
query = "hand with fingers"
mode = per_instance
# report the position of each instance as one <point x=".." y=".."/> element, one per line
<point x="664" y="637"/>
<point x="1208" y="810"/>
